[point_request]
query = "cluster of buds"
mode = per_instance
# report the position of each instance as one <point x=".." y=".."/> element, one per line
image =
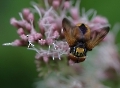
<point x="45" y="36"/>
<point x="49" y="23"/>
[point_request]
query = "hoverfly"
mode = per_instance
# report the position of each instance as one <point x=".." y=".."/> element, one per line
<point x="81" y="39"/>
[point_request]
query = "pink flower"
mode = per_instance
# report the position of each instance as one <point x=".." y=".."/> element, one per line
<point x="50" y="45"/>
<point x="50" y="27"/>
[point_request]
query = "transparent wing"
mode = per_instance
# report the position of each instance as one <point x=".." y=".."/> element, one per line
<point x="97" y="37"/>
<point x="72" y="34"/>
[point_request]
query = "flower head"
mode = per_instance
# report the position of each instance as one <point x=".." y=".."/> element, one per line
<point x="50" y="27"/>
<point x="45" y="36"/>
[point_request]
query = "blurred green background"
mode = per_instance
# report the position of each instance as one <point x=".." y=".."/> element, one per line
<point x="17" y="67"/>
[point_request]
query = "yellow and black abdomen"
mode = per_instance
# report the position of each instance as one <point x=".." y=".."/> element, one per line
<point x="78" y="52"/>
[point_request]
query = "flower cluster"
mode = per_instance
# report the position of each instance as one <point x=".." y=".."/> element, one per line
<point x="50" y="28"/>
<point x="50" y="45"/>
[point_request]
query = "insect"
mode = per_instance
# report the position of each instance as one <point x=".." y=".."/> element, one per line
<point x="81" y="39"/>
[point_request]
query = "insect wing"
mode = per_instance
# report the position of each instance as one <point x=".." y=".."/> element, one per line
<point x="97" y="37"/>
<point x="72" y="34"/>
<point x="77" y="33"/>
